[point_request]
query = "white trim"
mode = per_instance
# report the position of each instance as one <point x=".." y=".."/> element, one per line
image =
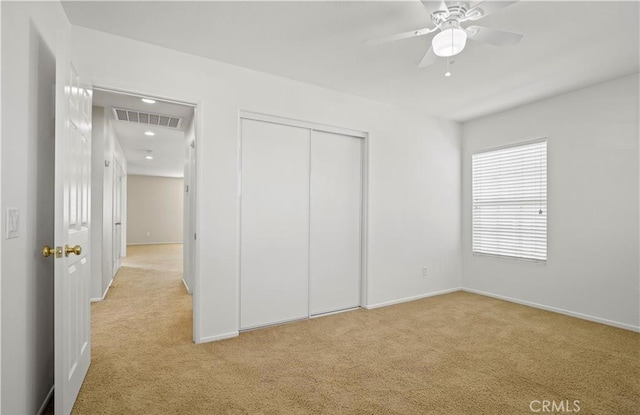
<point x="513" y="144"/>
<point x="557" y="310"/>
<point x="155" y="243"/>
<point x="412" y="298"/>
<point x="96" y="299"/>
<point x="186" y="286"/>
<point x="314" y="126"/>
<point x="222" y="336"/>
<point x="195" y="246"/>
<point x="140" y="95"/>
<point x="238" y="280"/>
<point x="2" y="213"/>
<point x="309" y="198"/>
<point x="364" y="221"/>
<point x="46" y="401"/>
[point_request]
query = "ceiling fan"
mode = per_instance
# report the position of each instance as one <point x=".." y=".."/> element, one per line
<point x="452" y="37"/>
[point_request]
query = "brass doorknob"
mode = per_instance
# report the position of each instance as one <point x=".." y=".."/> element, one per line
<point x="47" y="251"/>
<point x="68" y="250"/>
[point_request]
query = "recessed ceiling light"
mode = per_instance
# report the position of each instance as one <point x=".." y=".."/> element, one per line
<point x="148" y="101"/>
<point x="149" y="157"/>
<point x="149" y="133"/>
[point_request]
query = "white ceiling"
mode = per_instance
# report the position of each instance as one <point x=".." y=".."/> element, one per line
<point x="167" y="145"/>
<point x="566" y="46"/>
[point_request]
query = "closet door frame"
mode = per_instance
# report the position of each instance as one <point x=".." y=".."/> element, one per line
<point x="311" y="126"/>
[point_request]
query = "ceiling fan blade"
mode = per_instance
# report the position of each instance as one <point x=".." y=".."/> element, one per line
<point x="429" y="58"/>
<point x="435" y="5"/>
<point x="493" y="36"/>
<point x="400" y="36"/>
<point x="486" y="7"/>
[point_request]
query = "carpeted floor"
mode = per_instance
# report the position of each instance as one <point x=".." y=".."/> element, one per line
<point x="453" y="354"/>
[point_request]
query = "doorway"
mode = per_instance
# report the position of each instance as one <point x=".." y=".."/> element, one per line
<point x="143" y="183"/>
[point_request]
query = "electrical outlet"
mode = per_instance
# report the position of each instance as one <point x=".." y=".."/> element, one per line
<point x="425" y="271"/>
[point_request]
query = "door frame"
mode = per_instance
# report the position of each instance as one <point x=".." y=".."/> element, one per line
<point x="364" y="195"/>
<point x="196" y="103"/>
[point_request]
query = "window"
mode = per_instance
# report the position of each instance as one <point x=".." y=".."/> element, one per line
<point x="510" y="201"/>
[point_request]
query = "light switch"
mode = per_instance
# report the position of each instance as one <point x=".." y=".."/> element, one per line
<point x="12" y="223"/>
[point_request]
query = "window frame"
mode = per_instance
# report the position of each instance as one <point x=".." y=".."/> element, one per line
<point x="535" y="261"/>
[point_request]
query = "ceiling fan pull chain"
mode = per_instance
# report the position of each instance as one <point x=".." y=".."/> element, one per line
<point x="452" y="51"/>
<point x="448" y="73"/>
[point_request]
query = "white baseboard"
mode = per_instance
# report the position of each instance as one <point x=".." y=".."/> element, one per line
<point x="218" y="337"/>
<point x="95" y="300"/>
<point x="154" y="243"/>
<point x="451" y="290"/>
<point x="46" y="401"/>
<point x="412" y="298"/>
<point x="557" y="310"/>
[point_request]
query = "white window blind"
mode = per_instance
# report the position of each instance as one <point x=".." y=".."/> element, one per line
<point x="510" y="201"/>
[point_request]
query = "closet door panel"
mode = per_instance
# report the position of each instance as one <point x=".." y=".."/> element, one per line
<point x="336" y="194"/>
<point x="274" y="246"/>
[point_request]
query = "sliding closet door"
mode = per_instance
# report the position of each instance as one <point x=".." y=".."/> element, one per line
<point x="336" y="194"/>
<point x="274" y="246"/>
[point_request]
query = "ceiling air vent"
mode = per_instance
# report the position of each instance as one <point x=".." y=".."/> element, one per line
<point x="147" y="118"/>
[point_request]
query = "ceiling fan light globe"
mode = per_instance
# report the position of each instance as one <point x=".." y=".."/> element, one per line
<point x="449" y="42"/>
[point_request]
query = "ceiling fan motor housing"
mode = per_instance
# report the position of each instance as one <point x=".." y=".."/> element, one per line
<point x="455" y="13"/>
<point x="458" y="12"/>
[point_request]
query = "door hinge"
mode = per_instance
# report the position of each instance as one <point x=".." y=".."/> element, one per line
<point x="186" y="188"/>
<point x="195" y="236"/>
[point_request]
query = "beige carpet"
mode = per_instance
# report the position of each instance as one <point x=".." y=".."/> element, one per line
<point x="454" y="354"/>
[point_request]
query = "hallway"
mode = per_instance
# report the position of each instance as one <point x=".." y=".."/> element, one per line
<point x="144" y="323"/>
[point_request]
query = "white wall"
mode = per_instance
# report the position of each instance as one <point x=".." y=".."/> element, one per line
<point x="29" y="33"/>
<point x="414" y="169"/>
<point x="105" y="149"/>
<point x="155" y="209"/>
<point x="593" y="264"/>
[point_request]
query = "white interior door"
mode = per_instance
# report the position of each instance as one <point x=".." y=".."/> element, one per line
<point x="190" y="258"/>
<point x="188" y="248"/>
<point x="72" y="196"/>
<point x="274" y="245"/>
<point x="117" y="216"/>
<point x="336" y="205"/>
